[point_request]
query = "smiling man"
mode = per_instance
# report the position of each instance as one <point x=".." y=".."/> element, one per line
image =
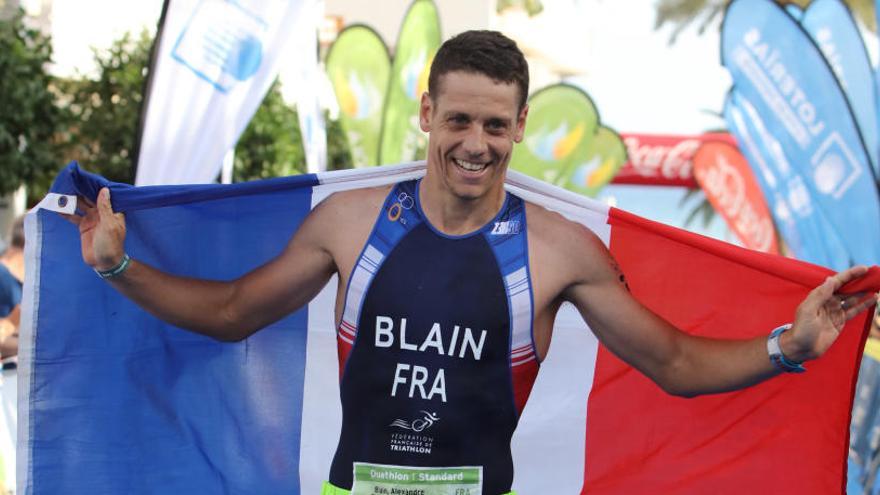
<point x="448" y="289"/>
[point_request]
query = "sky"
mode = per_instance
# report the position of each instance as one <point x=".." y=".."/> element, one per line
<point x="78" y="26"/>
<point x="639" y="82"/>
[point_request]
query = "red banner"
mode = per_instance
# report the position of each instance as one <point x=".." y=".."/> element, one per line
<point x="663" y="160"/>
<point x="724" y="174"/>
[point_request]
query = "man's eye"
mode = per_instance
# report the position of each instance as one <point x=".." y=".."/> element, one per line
<point x="496" y="126"/>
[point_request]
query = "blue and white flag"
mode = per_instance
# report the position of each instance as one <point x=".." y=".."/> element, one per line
<point x="215" y="61"/>
<point x="114" y="401"/>
<point x="802" y="225"/>
<point x="776" y="66"/>
<point x="830" y="24"/>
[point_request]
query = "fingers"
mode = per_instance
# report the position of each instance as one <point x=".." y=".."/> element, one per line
<point x="105" y="210"/>
<point x="826" y="293"/>
<point x="841" y="278"/>
<point x="821" y="295"/>
<point x="853" y="305"/>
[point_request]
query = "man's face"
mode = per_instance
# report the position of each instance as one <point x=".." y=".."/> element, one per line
<point x="472" y="125"/>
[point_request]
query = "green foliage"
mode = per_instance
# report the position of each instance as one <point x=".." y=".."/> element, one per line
<point x="338" y="151"/>
<point x="95" y="120"/>
<point x="29" y="119"/>
<point x="699" y="208"/>
<point x="532" y="7"/>
<point x="105" y="110"/>
<point x="271" y="145"/>
<point x="682" y="13"/>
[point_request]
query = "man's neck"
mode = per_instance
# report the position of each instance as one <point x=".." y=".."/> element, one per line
<point x="453" y="215"/>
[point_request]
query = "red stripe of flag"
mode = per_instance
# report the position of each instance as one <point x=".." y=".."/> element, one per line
<point x="786" y="435"/>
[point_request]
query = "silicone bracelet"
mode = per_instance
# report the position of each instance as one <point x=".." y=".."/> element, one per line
<point x="780" y="362"/>
<point x="116" y="270"/>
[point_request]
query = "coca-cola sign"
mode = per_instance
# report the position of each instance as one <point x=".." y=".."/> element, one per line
<point x="662" y="160"/>
<point x="728" y="182"/>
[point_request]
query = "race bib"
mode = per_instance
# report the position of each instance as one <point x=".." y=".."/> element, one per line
<point x="375" y="479"/>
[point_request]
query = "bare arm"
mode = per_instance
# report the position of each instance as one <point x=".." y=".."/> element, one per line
<point x="9" y="333"/>
<point x="223" y="310"/>
<point x="689" y="365"/>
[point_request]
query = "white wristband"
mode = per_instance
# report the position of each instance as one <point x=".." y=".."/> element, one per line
<point x="780" y="362"/>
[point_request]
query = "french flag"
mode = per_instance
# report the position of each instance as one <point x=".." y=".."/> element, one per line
<point x="113" y="401"/>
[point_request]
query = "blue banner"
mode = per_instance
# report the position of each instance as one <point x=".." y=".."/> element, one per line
<point x="776" y="67"/>
<point x="803" y="227"/>
<point x="794" y="10"/>
<point x="832" y="27"/>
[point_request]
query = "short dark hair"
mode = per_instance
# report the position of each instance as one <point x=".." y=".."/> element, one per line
<point x="489" y="53"/>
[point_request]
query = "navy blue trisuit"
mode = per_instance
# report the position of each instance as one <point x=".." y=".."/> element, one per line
<point x="436" y="349"/>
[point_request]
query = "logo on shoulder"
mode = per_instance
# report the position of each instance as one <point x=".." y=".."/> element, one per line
<point x="509" y="227"/>
<point x="404" y="202"/>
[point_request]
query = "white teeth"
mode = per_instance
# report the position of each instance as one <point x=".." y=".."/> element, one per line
<point x="470" y="167"/>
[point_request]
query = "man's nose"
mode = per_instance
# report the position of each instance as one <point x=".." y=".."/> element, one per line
<point x="475" y="141"/>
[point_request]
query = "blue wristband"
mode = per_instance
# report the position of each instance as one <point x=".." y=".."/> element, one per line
<point x="780" y="362"/>
<point x="116" y="270"/>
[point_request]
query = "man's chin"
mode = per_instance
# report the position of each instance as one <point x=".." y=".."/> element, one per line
<point x="469" y="192"/>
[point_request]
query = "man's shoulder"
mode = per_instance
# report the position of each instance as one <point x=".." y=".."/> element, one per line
<point x="345" y="217"/>
<point x="355" y="203"/>
<point x="555" y="238"/>
<point x="547" y="223"/>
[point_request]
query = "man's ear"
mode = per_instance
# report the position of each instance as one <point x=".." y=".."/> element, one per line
<point x="425" y="109"/>
<point x="521" y="124"/>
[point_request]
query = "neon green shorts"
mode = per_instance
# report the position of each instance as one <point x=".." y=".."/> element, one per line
<point x="329" y="489"/>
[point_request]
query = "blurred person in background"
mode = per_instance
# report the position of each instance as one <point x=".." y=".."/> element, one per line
<point x="12" y="263"/>
<point x="875" y="326"/>
<point x="11" y="281"/>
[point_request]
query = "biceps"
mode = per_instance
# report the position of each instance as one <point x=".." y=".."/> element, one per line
<point x="282" y="285"/>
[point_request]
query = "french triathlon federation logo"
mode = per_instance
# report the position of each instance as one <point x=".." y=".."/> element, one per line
<point x="413" y="439"/>
<point x="419" y="424"/>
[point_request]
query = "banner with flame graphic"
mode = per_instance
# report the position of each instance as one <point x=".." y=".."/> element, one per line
<point x="565" y="143"/>
<point x="358" y="65"/>
<point x="418" y="41"/>
<point x="725" y="177"/>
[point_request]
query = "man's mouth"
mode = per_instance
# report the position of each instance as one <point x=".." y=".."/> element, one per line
<point x="470" y="166"/>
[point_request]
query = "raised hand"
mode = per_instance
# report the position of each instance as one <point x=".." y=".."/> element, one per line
<point x="101" y="232"/>
<point x="820" y="318"/>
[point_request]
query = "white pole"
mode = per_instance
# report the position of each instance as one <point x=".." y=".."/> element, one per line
<point x="228" y="164"/>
